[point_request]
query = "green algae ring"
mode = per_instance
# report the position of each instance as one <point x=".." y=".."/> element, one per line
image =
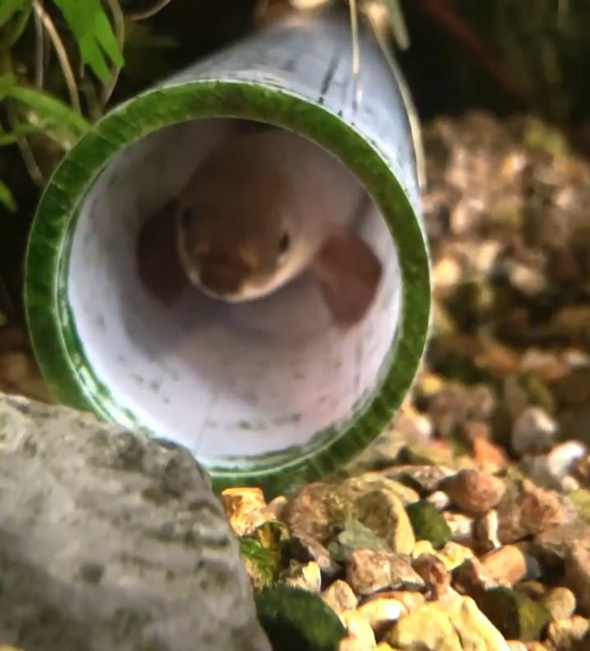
<point x="252" y="412"/>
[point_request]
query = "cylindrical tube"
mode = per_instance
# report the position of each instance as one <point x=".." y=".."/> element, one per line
<point x="252" y="413"/>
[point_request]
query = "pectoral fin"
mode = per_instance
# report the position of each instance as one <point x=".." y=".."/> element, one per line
<point x="348" y="274"/>
<point x="159" y="266"/>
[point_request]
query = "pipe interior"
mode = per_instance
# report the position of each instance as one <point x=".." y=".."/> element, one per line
<point x="228" y="381"/>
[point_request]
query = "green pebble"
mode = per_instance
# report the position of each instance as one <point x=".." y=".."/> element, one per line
<point x="514" y="614"/>
<point x="354" y="536"/>
<point x="428" y="523"/>
<point x="297" y="620"/>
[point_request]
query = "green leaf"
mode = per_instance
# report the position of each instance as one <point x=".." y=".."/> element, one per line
<point x="10" y="7"/>
<point x="49" y="108"/>
<point x="7" y="83"/>
<point x="107" y="39"/>
<point x="20" y="132"/>
<point x="17" y="27"/>
<point x="6" y="198"/>
<point x="93" y="33"/>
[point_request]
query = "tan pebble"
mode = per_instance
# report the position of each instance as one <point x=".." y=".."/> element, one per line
<point x="453" y="625"/>
<point x="245" y="509"/>
<point x="475" y="492"/>
<point x="352" y="644"/>
<point x="422" y="547"/>
<point x="372" y="570"/>
<point x="446" y="273"/>
<point x="306" y="576"/>
<point x="340" y="597"/>
<point x="564" y="634"/>
<point x="526" y="510"/>
<point x="487" y="455"/>
<point x="470" y="579"/>
<point x="561" y="602"/>
<point x="358" y="628"/>
<point x="277" y="505"/>
<point x="409" y="600"/>
<point x="381" y="612"/>
<point x="536" y="646"/>
<point x="516" y="645"/>
<point x="435" y="574"/>
<point x="453" y="554"/>
<point x="429" y="383"/>
<point x="506" y="566"/>
<point x="307" y="513"/>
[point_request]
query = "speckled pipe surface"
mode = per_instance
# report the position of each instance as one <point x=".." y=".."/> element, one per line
<point x="89" y="322"/>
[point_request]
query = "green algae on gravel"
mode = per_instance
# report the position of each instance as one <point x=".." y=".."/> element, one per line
<point x="297" y="620"/>
<point x="514" y="614"/>
<point x="428" y="523"/>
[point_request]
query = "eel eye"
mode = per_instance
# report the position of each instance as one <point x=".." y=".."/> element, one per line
<point x="284" y="243"/>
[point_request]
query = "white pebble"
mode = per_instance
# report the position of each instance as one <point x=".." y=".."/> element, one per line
<point x="533" y="432"/>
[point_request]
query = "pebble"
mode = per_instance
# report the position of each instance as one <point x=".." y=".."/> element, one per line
<point x="355" y="535"/>
<point x="440" y="500"/>
<point x="461" y="527"/>
<point x="409" y="600"/>
<point x="453" y="554"/>
<point x="436" y="576"/>
<point x="246" y="509"/>
<point x="305" y="549"/>
<point x="526" y="510"/>
<point x="565" y="634"/>
<point x="355" y="487"/>
<point x="423" y="547"/>
<point x="340" y="597"/>
<point x="470" y="579"/>
<point x="505" y="566"/>
<point x="474" y="492"/>
<point x="381" y="612"/>
<point x="485" y="531"/>
<point x="382" y="511"/>
<point x="304" y="575"/>
<point x="370" y="571"/>
<point x="533" y="432"/>
<point x="548" y="366"/>
<point x="562" y="459"/>
<point x="359" y="630"/>
<point x="577" y="573"/>
<point x="554" y="470"/>
<point x="514" y="614"/>
<point x="424" y="478"/>
<point x="516" y="645"/>
<point x="428" y="523"/>
<point x="277" y="506"/>
<point x="561" y="602"/>
<point x="487" y="455"/>
<point x="451" y="625"/>
<point x="307" y="513"/>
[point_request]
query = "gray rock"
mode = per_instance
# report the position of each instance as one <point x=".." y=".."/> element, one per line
<point x="111" y="540"/>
